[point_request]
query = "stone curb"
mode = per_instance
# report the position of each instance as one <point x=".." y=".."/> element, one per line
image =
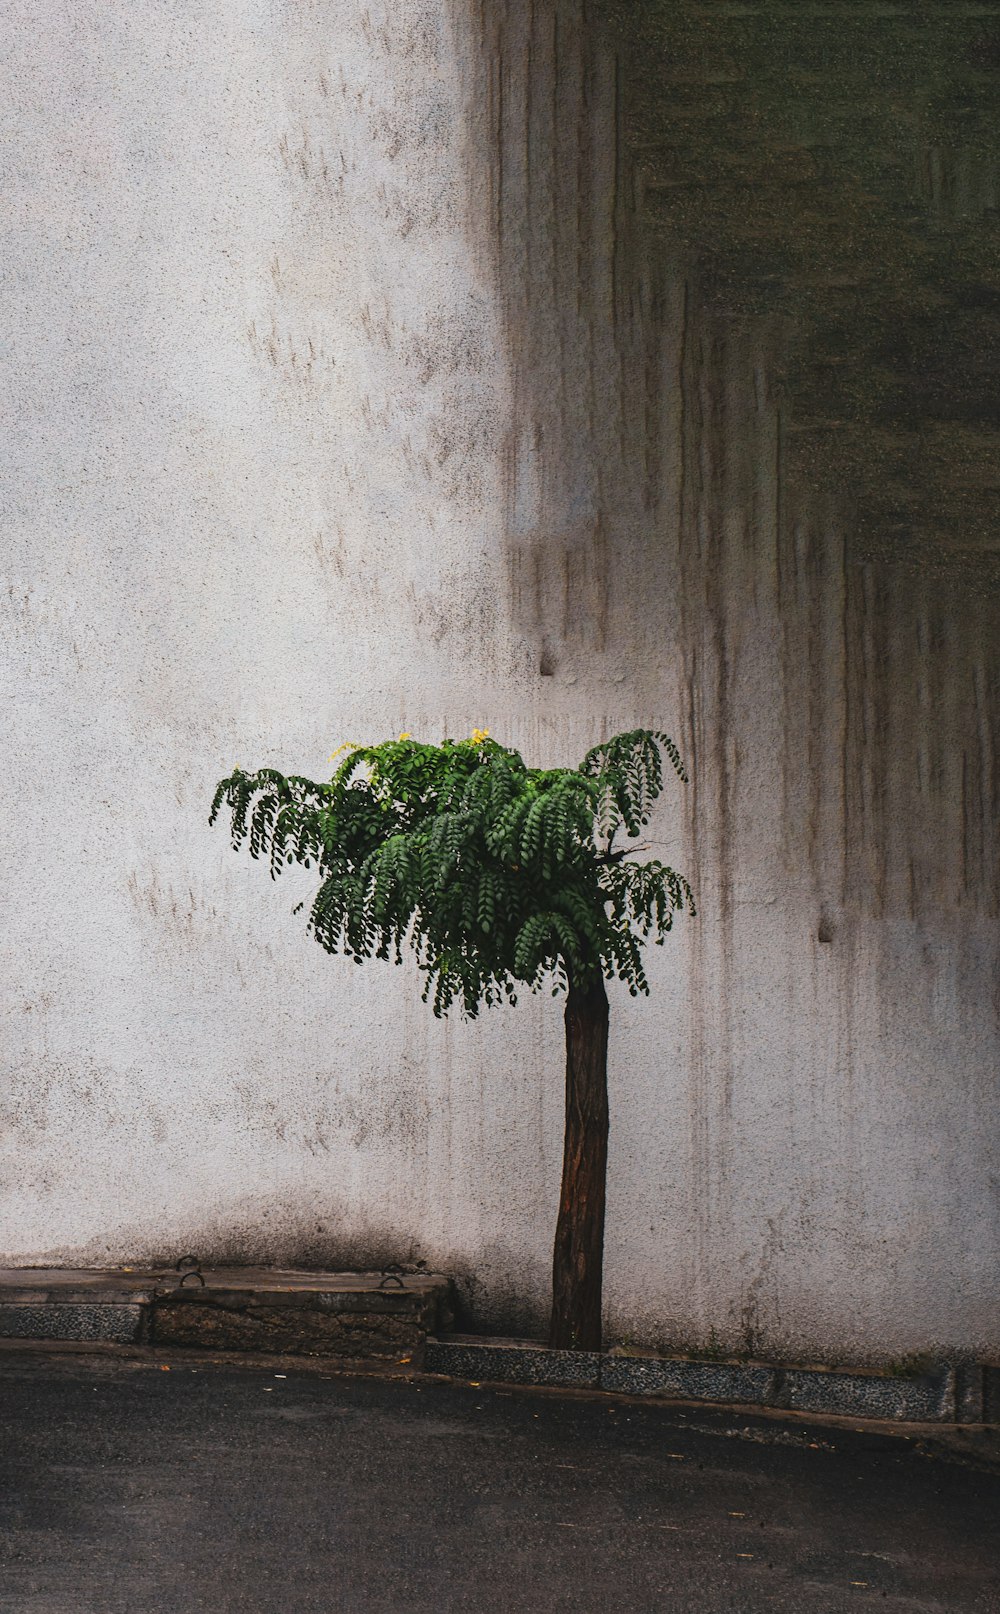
<point x="948" y="1394"/>
<point x="118" y="1324"/>
<point x="511" y="1362"/>
<point x="380" y="1323"/>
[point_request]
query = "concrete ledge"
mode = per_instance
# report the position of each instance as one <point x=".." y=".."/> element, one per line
<point x="124" y="1325"/>
<point x="684" y="1379"/>
<point x="929" y="1398"/>
<point x="925" y="1399"/>
<point x="990" y="1392"/>
<point x="359" y="1315"/>
<point x="200" y="1320"/>
<point x="510" y="1362"/>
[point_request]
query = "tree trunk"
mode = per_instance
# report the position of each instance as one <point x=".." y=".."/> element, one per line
<point x="578" y="1257"/>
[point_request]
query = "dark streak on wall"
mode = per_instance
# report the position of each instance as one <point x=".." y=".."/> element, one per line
<point x="664" y="493"/>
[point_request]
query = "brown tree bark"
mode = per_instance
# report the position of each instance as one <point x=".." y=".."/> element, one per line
<point x="578" y="1257"/>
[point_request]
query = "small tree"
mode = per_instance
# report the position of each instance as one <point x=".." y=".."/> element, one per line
<point x="498" y="875"/>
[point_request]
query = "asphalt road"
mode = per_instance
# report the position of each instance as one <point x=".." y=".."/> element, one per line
<point x="128" y="1488"/>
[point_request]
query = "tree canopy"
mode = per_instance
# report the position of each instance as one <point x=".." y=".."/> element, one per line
<point x="498" y="875"/>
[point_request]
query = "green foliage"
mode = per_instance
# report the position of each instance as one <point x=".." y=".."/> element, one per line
<point x="495" y="873"/>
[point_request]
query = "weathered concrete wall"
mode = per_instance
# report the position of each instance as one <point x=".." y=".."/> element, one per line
<point x="351" y="392"/>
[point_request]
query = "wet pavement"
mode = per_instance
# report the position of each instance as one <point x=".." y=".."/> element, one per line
<point x="166" y="1486"/>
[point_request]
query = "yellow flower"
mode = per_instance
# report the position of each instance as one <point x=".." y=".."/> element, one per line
<point x="406" y="736"/>
<point x="478" y="736"/>
<point x="349" y="745"/>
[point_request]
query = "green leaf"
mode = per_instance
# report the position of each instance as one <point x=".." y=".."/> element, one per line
<point x="492" y="873"/>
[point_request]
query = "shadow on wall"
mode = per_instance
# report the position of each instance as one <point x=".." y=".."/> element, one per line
<point x="275" y="1234"/>
<point x="749" y="481"/>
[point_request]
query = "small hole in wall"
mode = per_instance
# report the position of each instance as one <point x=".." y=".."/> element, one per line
<point x="825" y="932"/>
<point x="546" y="663"/>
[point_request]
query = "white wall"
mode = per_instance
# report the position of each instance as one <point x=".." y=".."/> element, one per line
<point x="343" y="398"/>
